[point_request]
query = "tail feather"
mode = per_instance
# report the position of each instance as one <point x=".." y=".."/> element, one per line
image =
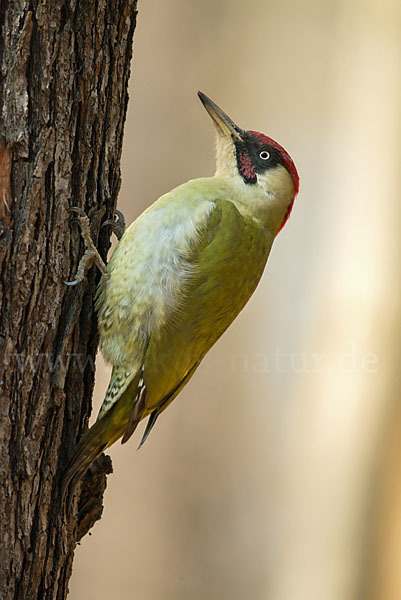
<point x="92" y="444"/>
<point x="108" y="429"/>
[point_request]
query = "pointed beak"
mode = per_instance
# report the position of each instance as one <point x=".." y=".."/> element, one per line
<point x="223" y="122"/>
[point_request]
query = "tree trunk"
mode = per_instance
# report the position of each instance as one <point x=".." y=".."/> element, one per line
<point x="64" y="74"/>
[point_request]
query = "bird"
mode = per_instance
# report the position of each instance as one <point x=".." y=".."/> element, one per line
<point x="179" y="276"/>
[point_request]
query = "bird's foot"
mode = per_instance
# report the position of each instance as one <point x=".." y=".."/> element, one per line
<point x="91" y="255"/>
<point x="117" y="225"/>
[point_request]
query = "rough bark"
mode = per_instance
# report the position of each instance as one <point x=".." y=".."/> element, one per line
<point x="63" y="88"/>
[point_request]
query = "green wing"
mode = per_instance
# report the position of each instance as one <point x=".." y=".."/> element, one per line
<point x="229" y="254"/>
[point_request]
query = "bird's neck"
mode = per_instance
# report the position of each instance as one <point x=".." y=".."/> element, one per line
<point x="265" y="202"/>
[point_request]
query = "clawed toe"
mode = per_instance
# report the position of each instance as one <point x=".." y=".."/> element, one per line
<point x="118" y="226"/>
<point x="72" y="283"/>
<point x="91" y="255"/>
<point x="77" y="209"/>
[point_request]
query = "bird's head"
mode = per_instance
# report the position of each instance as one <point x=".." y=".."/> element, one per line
<point x="254" y="159"/>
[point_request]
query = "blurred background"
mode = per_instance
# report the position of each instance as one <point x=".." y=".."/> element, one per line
<point x="276" y="474"/>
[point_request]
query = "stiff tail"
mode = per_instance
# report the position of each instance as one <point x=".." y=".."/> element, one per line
<point x="119" y="420"/>
<point x="92" y="444"/>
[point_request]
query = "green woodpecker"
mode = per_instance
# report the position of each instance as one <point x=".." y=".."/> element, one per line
<point x="180" y="275"/>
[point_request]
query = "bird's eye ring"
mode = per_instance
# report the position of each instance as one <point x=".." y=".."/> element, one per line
<point x="264" y="155"/>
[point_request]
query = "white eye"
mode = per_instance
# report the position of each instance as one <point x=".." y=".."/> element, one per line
<point x="264" y="155"/>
